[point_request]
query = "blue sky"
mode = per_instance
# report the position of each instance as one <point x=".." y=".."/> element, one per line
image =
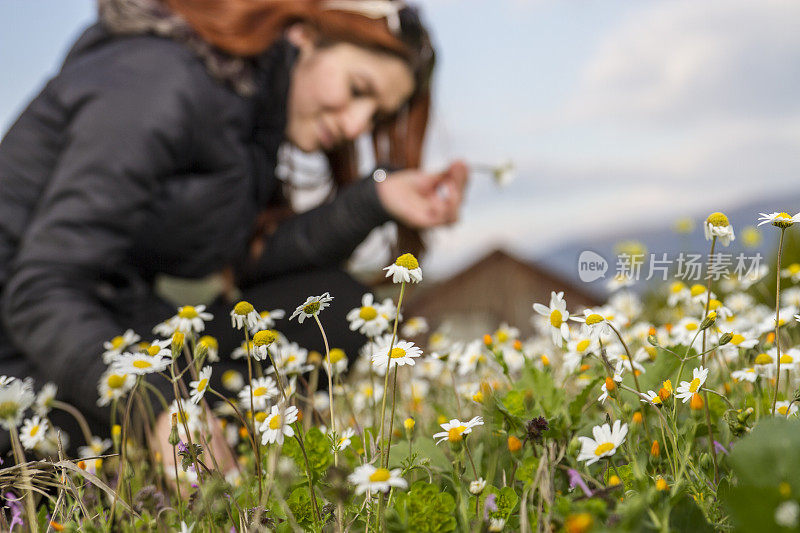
<point x="618" y="114"/>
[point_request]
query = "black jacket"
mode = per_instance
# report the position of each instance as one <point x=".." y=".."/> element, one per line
<point x="134" y="161"/>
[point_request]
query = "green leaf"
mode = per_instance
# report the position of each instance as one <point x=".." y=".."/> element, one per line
<point x="423" y="508"/>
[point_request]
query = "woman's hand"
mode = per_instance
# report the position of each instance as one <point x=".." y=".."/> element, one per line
<point x="424" y="200"/>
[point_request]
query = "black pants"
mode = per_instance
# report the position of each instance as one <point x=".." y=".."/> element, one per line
<point x="286" y="292"/>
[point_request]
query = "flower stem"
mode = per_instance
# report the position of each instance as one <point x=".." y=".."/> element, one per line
<point x="707" y="410"/>
<point x="257" y="449"/>
<point x="777" y="319"/>
<point x="330" y="386"/>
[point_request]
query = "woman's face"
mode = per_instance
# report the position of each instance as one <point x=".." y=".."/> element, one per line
<point x="337" y="91"/>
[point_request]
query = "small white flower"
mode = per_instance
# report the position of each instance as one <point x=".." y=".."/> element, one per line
<point x="504" y="173"/>
<point x="94" y="448"/>
<point x="244" y="315"/>
<point x="780" y="220"/>
<point x="497" y="524"/>
<point x="687" y="388"/>
<point x="717" y="225"/>
<point x="200" y="386"/>
<point x="456" y="429"/>
<point x="405" y="269"/>
<point x="192" y="414"/>
<point x="403" y="353"/>
<point x="369" y="479"/>
<point x="191" y="319"/>
<point x="113" y="385"/>
<point x="233" y="380"/>
<point x="368" y="319"/>
<point x="32" y="432"/>
<point x="266" y="320"/>
<point x="311" y="307"/>
<point x="140" y="363"/>
<point x="785" y="409"/>
<point x="605" y="443"/>
<point x="558" y="315"/>
<point x="344" y="439"/>
<point x="746" y="374"/>
<point x="416" y="325"/>
<point x="787" y="514"/>
<point x="477" y="486"/>
<point x="15" y="398"/>
<point x="264" y="389"/>
<point x="45" y="399"/>
<point x="277" y="425"/>
<point x="119" y="344"/>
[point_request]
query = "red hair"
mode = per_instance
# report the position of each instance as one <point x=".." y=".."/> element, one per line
<point x="249" y="27"/>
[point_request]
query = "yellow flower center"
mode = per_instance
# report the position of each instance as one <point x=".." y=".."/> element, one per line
<point x="718" y="219"/>
<point x="243" y="308"/>
<point x="202" y="385"/>
<point x="783" y="220"/>
<point x="275" y="423"/>
<point x="713" y="303"/>
<point x="368" y="313"/>
<point x="153" y="350"/>
<point x="209" y="342"/>
<point x="594" y="318"/>
<point x="603" y="448"/>
<point x="8" y="409"/>
<point x="694" y="385"/>
<point x="115" y="381"/>
<point x="582" y="345"/>
<point x="787" y="359"/>
<point x="677" y="287"/>
<point x="737" y="339"/>
<point x="264" y="338"/>
<point x="691" y="326"/>
<point x="368" y="391"/>
<point x="260" y="391"/>
<point x="556" y="318"/>
<point x="667" y="385"/>
<point x="455" y="434"/>
<point x="794" y="268"/>
<point x="380" y="474"/>
<point x="783" y="410"/>
<point x="311" y="308"/>
<point x="139" y="363"/>
<point x="117" y="342"/>
<point x="697" y="289"/>
<point x="34" y="430"/>
<point x="407" y="261"/>
<point x="264" y="314"/>
<point x="502" y="336"/>
<point x="187" y="311"/>
<point x="260" y="416"/>
<point x="337" y="354"/>
<point x="763" y="359"/>
<point x="397" y="353"/>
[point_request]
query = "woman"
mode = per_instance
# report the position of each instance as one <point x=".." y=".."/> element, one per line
<point x="152" y="153"/>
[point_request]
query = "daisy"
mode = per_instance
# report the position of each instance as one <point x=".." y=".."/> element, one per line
<point x="369" y="479"/>
<point x="617" y="376"/>
<point x="264" y="389"/>
<point x="242" y="350"/>
<point x="746" y="374"/>
<point x="191" y="416"/>
<point x="94" y="448"/>
<point x="792" y="272"/>
<point x="605" y="443"/>
<point x="211" y="346"/>
<point x="416" y="325"/>
<point x="783" y="408"/>
<point x="652" y="397"/>
<point x="477" y="486"/>
<point x="779" y="220"/>
<point x="113" y="385"/>
<point x="403" y="353"/>
<point x="678" y="293"/>
<point x="595" y="326"/>
<point x="404" y="270"/>
<point x="278" y="424"/>
<point x="5" y="380"/>
<point x="558" y="315"/>
<point x="368" y="319"/>
<point x="344" y="440"/>
<point x="266" y="320"/>
<point x="140" y="363"/>
<point x="45" y="399"/>
<point x="32" y="432"/>
<point x="687" y="388"/>
<point x="118" y="344"/>
<point x="244" y="315"/>
<point x="191" y="319"/>
<point x="15" y="398"/>
<point x="467" y="357"/>
<point x="290" y="359"/>
<point x="200" y="386"/>
<point x="262" y="340"/>
<point x="311" y="307"/>
<point x="338" y="360"/>
<point x="232" y="380"/>
<point x="455" y="430"/>
<point x="717" y="225"/>
<point x="504" y="174"/>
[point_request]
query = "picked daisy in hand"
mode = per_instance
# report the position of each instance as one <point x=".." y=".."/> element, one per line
<point x="278" y="424"/>
<point x="403" y="353"/>
<point x="140" y="363"/>
<point x="311" y="307"/>
<point x="244" y="315"/>
<point x="32" y="432"/>
<point x="369" y="479"/>
<point x="558" y="315"/>
<point x="119" y="344"/>
<point x="687" y="388"/>
<point x="200" y="386"/>
<point x="717" y="225"/>
<point x="779" y="220"/>
<point x="405" y="269"/>
<point x="605" y="443"/>
<point x="264" y="389"/>
<point x="455" y="430"/>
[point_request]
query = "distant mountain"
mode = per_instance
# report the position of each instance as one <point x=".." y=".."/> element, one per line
<point x="564" y="260"/>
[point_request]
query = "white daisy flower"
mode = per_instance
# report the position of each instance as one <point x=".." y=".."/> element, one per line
<point x="455" y="430"/>
<point x="277" y="425"/>
<point x="792" y="272"/>
<point x="232" y="380"/>
<point x="94" y="448"/>
<point x="264" y="389"/>
<point x="32" y="432"/>
<point x="211" y="346"/>
<point x="504" y="173"/>
<point x="290" y="358"/>
<point x="45" y="399"/>
<point x="403" y="353"/>
<point x="368" y="319"/>
<point x="119" y="344"/>
<point x="785" y="408"/>
<point x="311" y="307"/>
<point x="467" y="357"/>
<point x="405" y="269"/>
<point x="369" y="479"/>
<point x="338" y="359"/>
<point x="717" y="225"/>
<point x="192" y="413"/>
<point x="746" y="374"/>
<point x="780" y="220"/>
<point x="200" y="386"/>
<point x="605" y="443"/>
<point x="344" y="439"/>
<point x="558" y="315"/>
<point x="242" y="350"/>
<point x="140" y="363"/>
<point x="5" y="380"/>
<point x="476" y="487"/>
<point x="113" y="385"/>
<point x="15" y="398"/>
<point x="416" y="325"/>
<point x="652" y="397"/>
<point x="687" y="388"/>
<point x="244" y="315"/>
<point x="266" y="320"/>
